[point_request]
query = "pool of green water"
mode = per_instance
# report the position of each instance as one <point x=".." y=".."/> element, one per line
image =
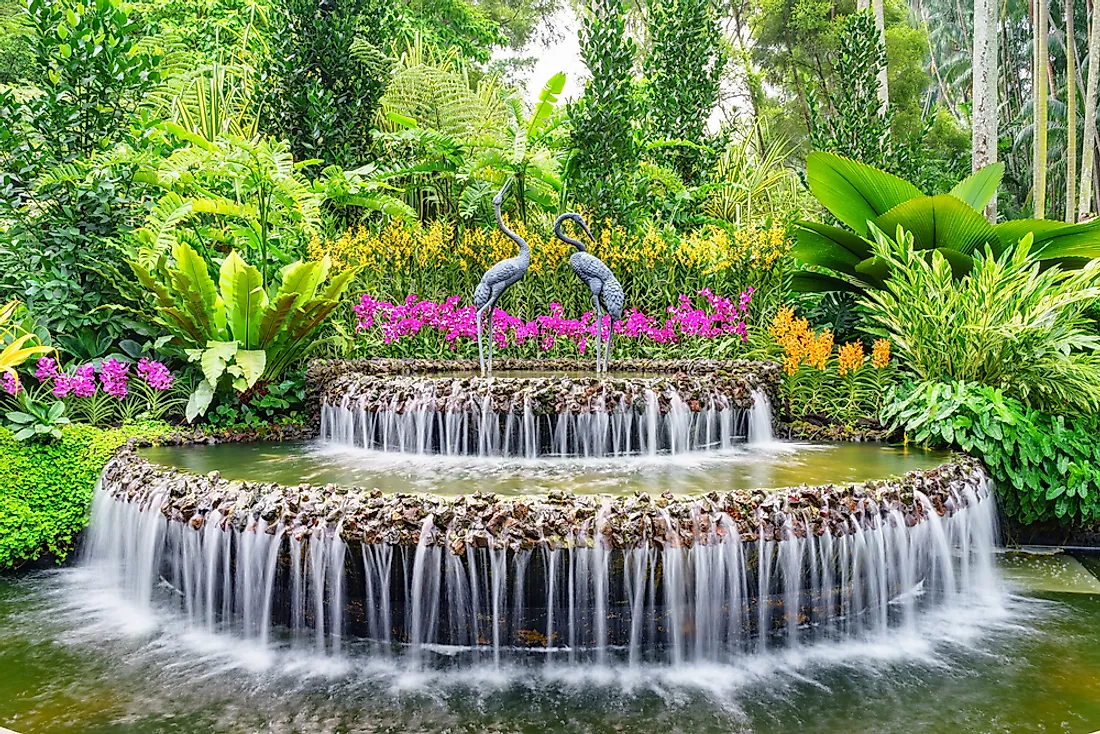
<point x="72" y="661"/>
<point x="777" y="464"/>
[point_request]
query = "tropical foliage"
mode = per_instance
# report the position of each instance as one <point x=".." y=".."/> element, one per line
<point x="239" y="330"/>
<point x="1045" y="465"/>
<point x="1007" y="323"/>
<point x="952" y="225"/>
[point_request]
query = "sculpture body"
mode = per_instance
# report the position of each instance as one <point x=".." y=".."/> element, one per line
<point x="497" y="280"/>
<point x="602" y="283"/>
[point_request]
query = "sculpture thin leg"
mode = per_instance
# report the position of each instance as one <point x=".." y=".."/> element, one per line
<point x="607" y="348"/>
<point x="480" y="349"/>
<point x="599" y="328"/>
<point x="491" y="340"/>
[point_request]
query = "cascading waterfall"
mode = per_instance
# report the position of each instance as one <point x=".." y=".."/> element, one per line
<point x="716" y="598"/>
<point x="473" y="425"/>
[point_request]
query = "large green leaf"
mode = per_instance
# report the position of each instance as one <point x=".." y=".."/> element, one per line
<point x="149" y="283"/>
<point x="251" y="362"/>
<point x="214" y="359"/>
<point x="855" y="192"/>
<point x="942" y="221"/>
<point x="548" y="99"/>
<point x="1053" y="240"/>
<point x="812" y="237"/>
<point x="808" y="282"/>
<point x="195" y="291"/>
<point x="301" y="278"/>
<point x="199" y="401"/>
<point x="242" y="289"/>
<point x="979" y="187"/>
<point x="274" y="318"/>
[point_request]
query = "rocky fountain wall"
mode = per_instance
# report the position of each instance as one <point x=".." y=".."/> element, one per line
<point x="643" y="577"/>
<point x="540" y="407"/>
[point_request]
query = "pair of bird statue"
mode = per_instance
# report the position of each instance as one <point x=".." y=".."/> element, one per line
<point x="605" y="288"/>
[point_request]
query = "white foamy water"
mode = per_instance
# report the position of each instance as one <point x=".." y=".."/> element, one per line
<point x="721" y="603"/>
<point x="430" y="423"/>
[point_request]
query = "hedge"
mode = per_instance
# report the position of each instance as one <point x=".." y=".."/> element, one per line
<point x="46" y="489"/>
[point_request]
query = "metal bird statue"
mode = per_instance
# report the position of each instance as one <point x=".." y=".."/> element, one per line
<point x="496" y="281"/>
<point x="600" y="280"/>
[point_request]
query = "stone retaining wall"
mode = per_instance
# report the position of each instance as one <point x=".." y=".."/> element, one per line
<point x="555" y="520"/>
<point x="388" y="384"/>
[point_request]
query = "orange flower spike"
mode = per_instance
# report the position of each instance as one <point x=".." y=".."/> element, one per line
<point x="819" y="349"/>
<point x="850" y="358"/>
<point x="880" y="353"/>
<point x="781" y="323"/>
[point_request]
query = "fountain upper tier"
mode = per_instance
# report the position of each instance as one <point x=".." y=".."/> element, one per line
<point x="544" y="407"/>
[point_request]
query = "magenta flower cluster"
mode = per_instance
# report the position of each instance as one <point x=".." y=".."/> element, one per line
<point x="11" y="383"/>
<point x="721" y="317"/>
<point x="113" y="376"/>
<point x="155" y="373"/>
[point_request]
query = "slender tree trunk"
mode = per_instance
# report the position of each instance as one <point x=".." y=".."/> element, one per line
<point x="1039" y="120"/>
<point x="1071" y="116"/>
<point x="1084" y="206"/>
<point x="986" y="84"/>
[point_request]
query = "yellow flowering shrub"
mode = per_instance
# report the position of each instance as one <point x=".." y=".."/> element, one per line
<point x="707" y="250"/>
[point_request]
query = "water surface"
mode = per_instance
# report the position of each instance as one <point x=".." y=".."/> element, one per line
<point x="74" y="660"/>
<point x="748" y="466"/>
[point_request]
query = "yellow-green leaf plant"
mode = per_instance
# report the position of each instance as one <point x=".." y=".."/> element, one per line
<point x="14" y="339"/>
<point x="239" y="330"/>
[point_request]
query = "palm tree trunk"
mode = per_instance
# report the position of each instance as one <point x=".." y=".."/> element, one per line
<point x="1071" y="116"/>
<point x="986" y="84"/>
<point x="1084" y="206"/>
<point x="1039" y="123"/>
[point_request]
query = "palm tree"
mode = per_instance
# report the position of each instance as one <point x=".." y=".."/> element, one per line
<point x="986" y="82"/>
<point x="1084" y="206"/>
<point x="1039" y="79"/>
<point x="1071" y="115"/>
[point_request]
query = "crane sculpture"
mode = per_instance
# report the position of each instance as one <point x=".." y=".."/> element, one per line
<point x="600" y="280"/>
<point x="497" y="280"/>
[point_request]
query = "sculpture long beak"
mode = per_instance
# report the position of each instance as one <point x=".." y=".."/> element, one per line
<point x="499" y="198"/>
<point x="579" y="220"/>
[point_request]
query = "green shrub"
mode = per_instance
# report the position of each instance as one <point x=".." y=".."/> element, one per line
<point x="1047" y="467"/>
<point x="1008" y="323"/>
<point x="46" y="489"/>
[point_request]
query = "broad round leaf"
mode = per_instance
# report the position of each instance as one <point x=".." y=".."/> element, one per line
<point x="938" y="222"/>
<point x="855" y="192"/>
<point x="979" y="187"/>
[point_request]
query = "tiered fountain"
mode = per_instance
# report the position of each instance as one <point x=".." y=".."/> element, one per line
<point x="618" y="578"/>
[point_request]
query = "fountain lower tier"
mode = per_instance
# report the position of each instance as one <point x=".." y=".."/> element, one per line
<point x="696" y="405"/>
<point x="707" y="578"/>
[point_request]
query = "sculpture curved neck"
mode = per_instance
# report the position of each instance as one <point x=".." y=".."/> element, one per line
<point x="566" y="238"/>
<point x="524" y="251"/>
